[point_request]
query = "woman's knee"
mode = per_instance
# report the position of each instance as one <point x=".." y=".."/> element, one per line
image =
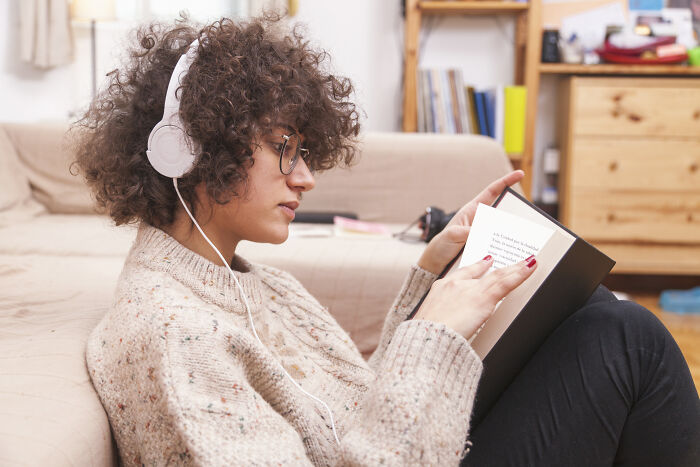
<point x="620" y="324"/>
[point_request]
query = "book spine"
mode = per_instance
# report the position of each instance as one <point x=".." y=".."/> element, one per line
<point x="433" y="100"/>
<point x="499" y="111"/>
<point x="481" y="112"/>
<point x="453" y="100"/>
<point x="419" y="102"/>
<point x="489" y="108"/>
<point x="473" y="114"/>
<point x="514" y="125"/>
<point x="462" y="102"/>
<point x="439" y="106"/>
<point x="446" y="101"/>
<point x="428" y="112"/>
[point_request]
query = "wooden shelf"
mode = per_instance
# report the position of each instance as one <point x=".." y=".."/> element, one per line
<point x="472" y="7"/>
<point x="527" y="43"/>
<point x="615" y="69"/>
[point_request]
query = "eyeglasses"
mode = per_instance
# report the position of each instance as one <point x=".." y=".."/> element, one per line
<point x="290" y="152"/>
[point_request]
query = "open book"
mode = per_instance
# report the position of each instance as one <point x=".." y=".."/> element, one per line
<point x="568" y="271"/>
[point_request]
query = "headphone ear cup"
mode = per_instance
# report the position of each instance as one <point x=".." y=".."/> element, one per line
<point x="168" y="150"/>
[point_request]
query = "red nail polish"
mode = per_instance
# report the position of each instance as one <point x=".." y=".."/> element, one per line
<point x="486" y="258"/>
<point x="531" y="263"/>
<point x="529" y="258"/>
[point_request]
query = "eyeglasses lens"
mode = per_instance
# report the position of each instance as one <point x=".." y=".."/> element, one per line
<point x="290" y="154"/>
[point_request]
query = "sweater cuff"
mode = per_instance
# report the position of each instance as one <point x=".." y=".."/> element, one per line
<point x="415" y="286"/>
<point x="439" y="355"/>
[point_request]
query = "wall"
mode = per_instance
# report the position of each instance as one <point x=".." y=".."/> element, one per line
<point x="365" y="43"/>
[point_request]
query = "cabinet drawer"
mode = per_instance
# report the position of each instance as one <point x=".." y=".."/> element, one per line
<point x="632" y="163"/>
<point x="636" y="216"/>
<point x="636" y="106"/>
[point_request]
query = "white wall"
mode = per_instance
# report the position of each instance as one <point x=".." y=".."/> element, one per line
<point x="363" y="37"/>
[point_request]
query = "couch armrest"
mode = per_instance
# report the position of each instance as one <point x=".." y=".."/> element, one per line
<point x="400" y="174"/>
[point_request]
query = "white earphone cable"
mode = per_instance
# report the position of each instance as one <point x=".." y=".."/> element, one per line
<point x="250" y="315"/>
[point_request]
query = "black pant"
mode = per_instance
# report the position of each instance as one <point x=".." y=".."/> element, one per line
<point x="608" y="387"/>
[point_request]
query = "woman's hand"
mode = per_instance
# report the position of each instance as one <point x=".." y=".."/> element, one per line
<point x="466" y="298"/>
<point x="446" y="245"/>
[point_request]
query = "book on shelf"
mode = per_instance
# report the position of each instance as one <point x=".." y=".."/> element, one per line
<point x="446" y="104"/>
<point x="515" y="98"/>
<point x="471" y="101"/>
<point x="481" y="115"/>
<point x="568" y="271"/>
<point x="420" y="102"/>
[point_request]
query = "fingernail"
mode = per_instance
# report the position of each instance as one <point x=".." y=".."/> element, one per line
<point x="486" y="258"/>
<point x="529" y="258"/>
<point x="531" y="263"/>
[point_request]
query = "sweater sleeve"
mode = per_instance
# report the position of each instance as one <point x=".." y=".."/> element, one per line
<point x="226" y="402"/>
<point x="417" y="283"/>
<point x="418" y="409"/>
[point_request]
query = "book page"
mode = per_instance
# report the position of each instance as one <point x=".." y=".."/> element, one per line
<point x="504" y="236"/>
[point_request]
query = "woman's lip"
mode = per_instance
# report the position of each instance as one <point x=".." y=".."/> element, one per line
<point x="288" y="211"/>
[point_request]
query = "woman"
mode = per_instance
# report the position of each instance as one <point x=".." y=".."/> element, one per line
<point x="205" y="358"/>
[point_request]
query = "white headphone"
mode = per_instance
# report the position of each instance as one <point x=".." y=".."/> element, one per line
<point x="172" y="153"/>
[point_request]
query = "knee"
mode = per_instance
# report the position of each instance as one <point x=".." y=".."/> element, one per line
<point x="620" y="323"/>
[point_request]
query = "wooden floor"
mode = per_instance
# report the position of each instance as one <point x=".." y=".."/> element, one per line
<point x="685" y="328"/>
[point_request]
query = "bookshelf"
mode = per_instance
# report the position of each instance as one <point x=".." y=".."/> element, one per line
<point x="527" y="60"/>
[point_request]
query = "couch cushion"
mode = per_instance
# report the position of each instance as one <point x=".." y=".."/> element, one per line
<point x="46" y="157"/>
<point x="16" y="202"/>
<point x="67" y="235"/>
<point x="400" y="174"/>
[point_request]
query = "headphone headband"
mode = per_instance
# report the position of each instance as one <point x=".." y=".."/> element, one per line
<point x="172" y="101"/>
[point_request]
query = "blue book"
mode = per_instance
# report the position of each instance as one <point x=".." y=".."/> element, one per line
<point x="490" y="108"/>
<point x="481" y="112"/>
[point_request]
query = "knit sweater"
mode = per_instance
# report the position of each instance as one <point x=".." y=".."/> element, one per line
<point x="184" y="381"/>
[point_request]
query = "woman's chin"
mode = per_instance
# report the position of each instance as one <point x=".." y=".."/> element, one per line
<point x="278" y="236"/>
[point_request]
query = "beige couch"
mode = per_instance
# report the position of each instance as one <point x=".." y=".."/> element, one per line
<point x="59" y="262"/>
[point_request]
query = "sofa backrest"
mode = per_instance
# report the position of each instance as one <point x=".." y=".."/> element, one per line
<point x="45" y="157"/>
<point x="398" y="174"/>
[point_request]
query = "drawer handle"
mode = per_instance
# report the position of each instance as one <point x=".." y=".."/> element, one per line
<point x="690" y="217"/>
<point x="611" y="217"/>
<point x="693" y="167"/>
<point x="613" y="166"/>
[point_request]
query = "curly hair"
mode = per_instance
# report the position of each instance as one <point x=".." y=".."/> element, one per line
<point x="247" y="78"/>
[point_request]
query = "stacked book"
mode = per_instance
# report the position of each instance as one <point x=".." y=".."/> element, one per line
<point x="447" y="105"/>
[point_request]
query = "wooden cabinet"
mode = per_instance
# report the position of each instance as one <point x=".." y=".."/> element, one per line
<point x="630" y="179"/>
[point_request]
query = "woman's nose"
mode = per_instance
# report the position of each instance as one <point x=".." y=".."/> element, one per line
<point x="301" y="177"/>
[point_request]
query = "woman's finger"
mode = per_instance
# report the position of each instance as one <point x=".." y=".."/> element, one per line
<point x="465" y="216"/>
<point x="497" y="286"/>
<point x="473" y="271"/>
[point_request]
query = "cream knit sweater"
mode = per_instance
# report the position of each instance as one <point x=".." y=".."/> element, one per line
<point x="184" y="381"/>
